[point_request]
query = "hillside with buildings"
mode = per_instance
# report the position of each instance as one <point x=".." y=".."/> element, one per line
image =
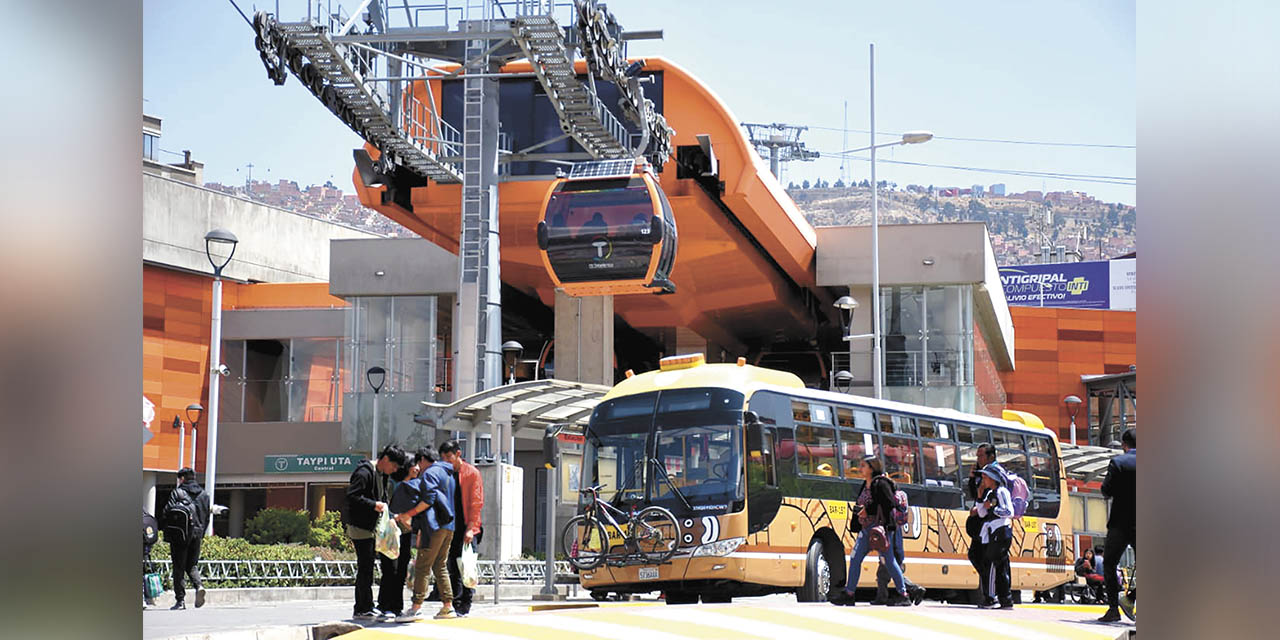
<point x="1019" y="223"/>
<point x="326" y="202"/>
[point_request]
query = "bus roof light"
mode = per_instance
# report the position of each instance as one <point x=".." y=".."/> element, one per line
<point x="630" y="373"/>
<point x="742" y="361"/>
<point x="671" y="363"/>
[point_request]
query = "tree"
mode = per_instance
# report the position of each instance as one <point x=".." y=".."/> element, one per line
<point x="791" y="186"/>
<point x="804" y="185"/>
<point x="839" y="183"/>
<point x="865" y="184"/>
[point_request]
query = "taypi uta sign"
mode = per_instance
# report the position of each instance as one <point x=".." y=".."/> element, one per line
<point x="309" y="463"/>
<point x="1102" y="284"/>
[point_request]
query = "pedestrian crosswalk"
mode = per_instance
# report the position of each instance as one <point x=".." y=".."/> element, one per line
<point x="756" y="622"/>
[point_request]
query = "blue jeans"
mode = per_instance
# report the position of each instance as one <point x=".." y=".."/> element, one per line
<point x="860" y="550"/>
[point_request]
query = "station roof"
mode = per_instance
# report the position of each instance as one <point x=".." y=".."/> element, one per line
<point x="535" y="404"/>
<point x="1086" y="464"/>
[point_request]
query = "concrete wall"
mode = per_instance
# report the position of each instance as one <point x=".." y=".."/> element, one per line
<point x="409" y="267"/>
<point x="275" y="245"/>
<point x="243" y="444"/>
<point x="259" y="324"/>
<point x="958" y="251"/>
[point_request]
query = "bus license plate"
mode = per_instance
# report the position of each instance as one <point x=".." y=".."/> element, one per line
<point x="648" y="573"/>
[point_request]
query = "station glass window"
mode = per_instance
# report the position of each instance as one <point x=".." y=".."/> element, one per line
<point x="816" y="450"/>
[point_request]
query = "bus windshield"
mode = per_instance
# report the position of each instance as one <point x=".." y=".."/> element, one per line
<point x="693" y="434"/>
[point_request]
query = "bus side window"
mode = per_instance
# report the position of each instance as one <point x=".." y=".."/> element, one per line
<point x="816" y="450"/>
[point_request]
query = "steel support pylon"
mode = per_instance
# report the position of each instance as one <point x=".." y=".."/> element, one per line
<point x="477" y="326"/>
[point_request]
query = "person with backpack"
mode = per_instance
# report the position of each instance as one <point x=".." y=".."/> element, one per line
<point x="368" y="492"/>
<point x="996" y="512"/>
<point x="1121" y="485"/>
<point x="185" y="518"/>
<point x="901" y="514"/>
<point x="436" y="495"/>
<point x="985" y="455"/>
<point x="875" y="523"/>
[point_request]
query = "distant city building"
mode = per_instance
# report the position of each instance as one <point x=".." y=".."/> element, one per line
<point x="977" y="190"/>
<point x="997" y="190"/>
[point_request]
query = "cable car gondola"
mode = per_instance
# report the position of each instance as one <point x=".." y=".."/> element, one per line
<point x="607" y="229"/>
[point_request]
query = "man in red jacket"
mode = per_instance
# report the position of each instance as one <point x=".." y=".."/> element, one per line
<point x="468" y="503"/>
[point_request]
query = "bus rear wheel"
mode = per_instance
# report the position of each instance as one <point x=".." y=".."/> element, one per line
<point x="817" y="575"/>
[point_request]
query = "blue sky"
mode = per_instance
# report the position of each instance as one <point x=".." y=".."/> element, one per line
<point x="1057" y="72"/>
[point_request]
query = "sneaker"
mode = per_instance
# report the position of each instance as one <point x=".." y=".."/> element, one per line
<point x="444" y="614"/>
<point x="988" y="604"/>
<point x="200" y="597"/>
<point x="178" y="606"/>
<point x="414" y="613"/>
<point x="365" y="615"/>
<point x="917" y="594"/>
<point x="1006" y="606"/>
<point x="843" y="599"/>
<point x="387" y="616"/>
<point x="1112" y="615"/>
<point x="899" y="600"/>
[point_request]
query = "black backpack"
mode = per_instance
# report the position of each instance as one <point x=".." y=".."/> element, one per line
<point x="150" y="529"/>
<point x="179" y="514"/>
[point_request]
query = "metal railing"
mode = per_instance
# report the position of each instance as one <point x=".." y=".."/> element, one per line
<point x="319" y="573"/>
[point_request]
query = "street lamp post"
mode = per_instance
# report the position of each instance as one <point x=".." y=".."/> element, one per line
<point x="1073" y="406"/>
<point x="511" y="352"/>
<point x="376" y="376"/>
<point x="215" y="242"/>
<point x="910" y="137"/>
<point x="194" y="411"/>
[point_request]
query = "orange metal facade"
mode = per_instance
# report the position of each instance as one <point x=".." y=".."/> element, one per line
<point x="176" y="325"/>
<point x="727" y="290"/>
<point x="1054" y="347"/>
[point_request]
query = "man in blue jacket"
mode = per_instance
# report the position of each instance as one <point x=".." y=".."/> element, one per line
<point x="436" y="490"/>
<point x="1121" y="485"/>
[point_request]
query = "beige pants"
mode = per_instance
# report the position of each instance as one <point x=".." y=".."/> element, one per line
<point x="433" y="557"/>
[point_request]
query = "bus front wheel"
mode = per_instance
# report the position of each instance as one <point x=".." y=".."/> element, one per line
<point x="817" y="575"/>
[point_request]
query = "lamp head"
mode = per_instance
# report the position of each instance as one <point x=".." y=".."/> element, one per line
<point x="846" y="303"/>
<point x="916" y="137"/>
<point x="512" y="350"/>
<point x="194" y="411"/>
<point x="843" y="380"/>
<point x="219" y="246"/>
<point x="1073" y="404"/>
<point x="376" y="376"/>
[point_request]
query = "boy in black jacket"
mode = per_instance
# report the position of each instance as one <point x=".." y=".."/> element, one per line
<point x="184" y="542"/>
<point x="368" y="492"/>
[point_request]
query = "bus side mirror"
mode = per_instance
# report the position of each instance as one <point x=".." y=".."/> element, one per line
<point x="550" y="446"/>
<point x="757" y="440"/>
<point x="543" y="235"/>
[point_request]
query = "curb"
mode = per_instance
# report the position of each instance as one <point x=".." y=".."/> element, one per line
<point x="322" y="631"/>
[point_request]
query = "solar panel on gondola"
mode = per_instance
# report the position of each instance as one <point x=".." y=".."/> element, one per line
<point x="608" y="229"/>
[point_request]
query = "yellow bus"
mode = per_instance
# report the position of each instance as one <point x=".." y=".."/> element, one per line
<point x="759" y="473"/>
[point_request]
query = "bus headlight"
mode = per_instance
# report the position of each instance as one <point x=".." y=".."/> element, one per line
<point x="719" y="547"/>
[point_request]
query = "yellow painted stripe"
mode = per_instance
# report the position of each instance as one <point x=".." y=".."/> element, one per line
<point x="1083" y="608"/>
<point x="686" y="629"/>
<point x="793" y="620"/>
<point x="905" y="616"/>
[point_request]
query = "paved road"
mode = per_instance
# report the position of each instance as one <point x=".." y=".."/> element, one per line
<point x="746" y="619"/>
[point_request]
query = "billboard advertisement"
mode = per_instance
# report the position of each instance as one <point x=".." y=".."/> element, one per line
<point x="1100" y="284"/>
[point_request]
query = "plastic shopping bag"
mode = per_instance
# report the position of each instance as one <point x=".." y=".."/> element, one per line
<point x="468" y="565"/>
<point x="387" y="536"/>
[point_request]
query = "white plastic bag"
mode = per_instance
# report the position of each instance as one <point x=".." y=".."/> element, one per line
<point x="387" y="536"/>
<point x="468" y="565"/>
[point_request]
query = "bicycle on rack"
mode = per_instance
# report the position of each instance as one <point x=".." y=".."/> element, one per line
<point x="648" y="536"/>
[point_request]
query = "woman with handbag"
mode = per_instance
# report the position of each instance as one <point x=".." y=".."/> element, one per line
<point x="875" y="520"/>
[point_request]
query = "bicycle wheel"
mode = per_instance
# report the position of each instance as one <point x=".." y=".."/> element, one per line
<point x="656" y="534"/>
<point x="584" y="542"/>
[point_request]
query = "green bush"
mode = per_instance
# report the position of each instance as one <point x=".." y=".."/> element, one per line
<point x="271" y="526"/>
<point x="328" y="531"/>
<point x="217" y="548"/>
